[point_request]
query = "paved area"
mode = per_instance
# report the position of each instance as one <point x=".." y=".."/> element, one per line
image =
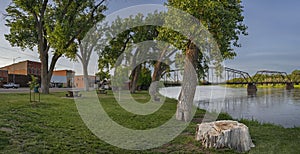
<point x="25" y="90"/>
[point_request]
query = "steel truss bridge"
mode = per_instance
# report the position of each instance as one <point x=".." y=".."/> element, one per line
<point x="235" y="77"/>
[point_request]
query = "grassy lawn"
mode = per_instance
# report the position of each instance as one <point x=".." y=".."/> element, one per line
<point x="55" y="126"/>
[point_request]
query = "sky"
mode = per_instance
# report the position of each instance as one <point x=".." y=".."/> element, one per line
<point x="272" y="44"/>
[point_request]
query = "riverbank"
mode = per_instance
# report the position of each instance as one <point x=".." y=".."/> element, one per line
<point x="261" y="86"/>
<point x="55" y="126"/>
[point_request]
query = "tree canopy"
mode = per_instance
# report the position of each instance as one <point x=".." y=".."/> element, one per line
<point x="52" y="27"/>
<point x="224" y="21"/>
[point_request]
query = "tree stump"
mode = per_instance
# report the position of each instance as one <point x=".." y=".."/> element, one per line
<point x="224" y="134"/>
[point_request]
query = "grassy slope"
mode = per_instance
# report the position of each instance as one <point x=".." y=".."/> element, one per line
<point x="54" y="126"/>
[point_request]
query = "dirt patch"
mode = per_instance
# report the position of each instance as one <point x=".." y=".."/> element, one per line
<point x="197" y="120"/>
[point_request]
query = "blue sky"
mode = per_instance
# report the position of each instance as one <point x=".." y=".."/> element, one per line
<point x="273" y="41"/>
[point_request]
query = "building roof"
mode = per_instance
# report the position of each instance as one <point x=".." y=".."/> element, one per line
<point x="28" y="61"/>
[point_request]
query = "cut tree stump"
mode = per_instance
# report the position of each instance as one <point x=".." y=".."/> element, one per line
<point x="224" y="134"/>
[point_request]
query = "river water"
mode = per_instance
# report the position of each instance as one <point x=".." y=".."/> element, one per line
<point x="269" y="105"/>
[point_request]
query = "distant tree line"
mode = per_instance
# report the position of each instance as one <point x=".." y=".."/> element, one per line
<point x="293" y="77"/>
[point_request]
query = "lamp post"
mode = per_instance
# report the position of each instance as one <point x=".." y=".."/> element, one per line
<point x="14" y="59"/>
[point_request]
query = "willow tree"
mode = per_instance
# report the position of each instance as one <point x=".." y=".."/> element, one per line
<point x="52" y="27"/>
<point x="224" y="21"/>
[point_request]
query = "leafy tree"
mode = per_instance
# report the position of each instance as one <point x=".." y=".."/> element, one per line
<point x="103" y="75"/>
<point x="162" y="65"/>
<point x="33" y="83"/>
<point x="92" y="41"/>
<point x="223" y="19"/>
<point x="295" y="76"/>
<point x="144" y="80"/>
<point x="116" y="45"/>
<point x="52" y="27"/>
<point x="124" y="44"/>
<point x="120" y="79"/>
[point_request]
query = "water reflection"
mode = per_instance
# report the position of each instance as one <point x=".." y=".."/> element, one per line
<point x="273" y="105"/>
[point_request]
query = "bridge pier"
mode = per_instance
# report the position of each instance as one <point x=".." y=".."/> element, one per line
<point x="251" y="88"/>
<point x="289" y="86"/>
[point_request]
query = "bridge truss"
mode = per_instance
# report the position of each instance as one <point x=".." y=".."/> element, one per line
<point x="235" y="77"/>
<point x="271" y="77"/>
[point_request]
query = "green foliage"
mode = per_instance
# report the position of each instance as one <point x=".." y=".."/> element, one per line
<point x="223" y="19"/>
<point x="22" y="26"/>
<point x="122" y="37"/>
<point x="51" y="26"/>
<point x="61" y="22"/>
<point x="103" y="75"/>
<point x="33" y="83"/>
<point x="120" y="77"/>
<point x="269" y="78"/>
<point x="144" y="77"/>
<point x="295" y="76"/>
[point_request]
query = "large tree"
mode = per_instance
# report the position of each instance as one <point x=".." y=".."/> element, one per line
<point x="93" y="40"/>
<point x="52" y="27"/>
<point x="224" y="20"/>
<point x="126" y="44"/>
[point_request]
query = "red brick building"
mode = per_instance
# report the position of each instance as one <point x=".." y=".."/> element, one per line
<point x="21" y="72"/>
<point x="24" y="68"/>
<point x="3" y="77"/>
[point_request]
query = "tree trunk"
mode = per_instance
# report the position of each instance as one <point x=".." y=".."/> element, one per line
<point x="44" y="76"/>
<point x="135" y="77"/>
<point x="135" y="72"/>
<point x="85" y="76"/>
<point x="153" y="90"/>
<point x="224" y="134"/>
<point x="43" y="49"/>
<point x="50" y="71"/>
<point x="84" y="57"/>
<point x="45" y="81"/>
<point x="189" y="84"/>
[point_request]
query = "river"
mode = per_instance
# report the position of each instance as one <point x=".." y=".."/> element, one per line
<point x="269" y="105"/>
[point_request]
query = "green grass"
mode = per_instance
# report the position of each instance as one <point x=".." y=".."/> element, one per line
<point x="55" y="126"/>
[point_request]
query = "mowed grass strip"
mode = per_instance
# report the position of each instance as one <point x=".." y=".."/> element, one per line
<point x="55" y="126"/>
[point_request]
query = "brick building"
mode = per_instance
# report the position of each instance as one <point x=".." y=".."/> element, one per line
<point x="79" y="81"/>
<point x="21" y="72"/>
<point x="3" y="77"/>
<point x="63" y="78"/>
<point x="24" y="68"/>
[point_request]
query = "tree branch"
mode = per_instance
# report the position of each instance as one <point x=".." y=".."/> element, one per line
<point x="52" y="65"/>
<point x="44" y="6"/>
<point x="88" y="21"/>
